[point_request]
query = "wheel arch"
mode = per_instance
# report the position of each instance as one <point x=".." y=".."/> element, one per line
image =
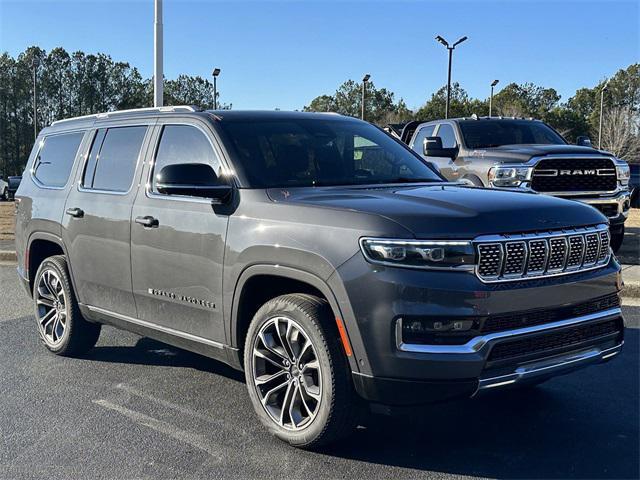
<point x="40" y="246"/>
<point x="278" y="280"/>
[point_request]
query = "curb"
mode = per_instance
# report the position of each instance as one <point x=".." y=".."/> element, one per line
<point x="631" y="290"/>
<point x="7" y="256"/>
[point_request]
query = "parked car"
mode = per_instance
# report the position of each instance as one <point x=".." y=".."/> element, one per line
<point x="4" y="189"/>
<point x="529" y="155"/>
<point x="313" y="251"/>
<point x="12" y="186"/>
<point x="634" y="184"/>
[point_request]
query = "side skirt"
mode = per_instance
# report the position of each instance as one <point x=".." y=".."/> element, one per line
<point x="176" y="338"/>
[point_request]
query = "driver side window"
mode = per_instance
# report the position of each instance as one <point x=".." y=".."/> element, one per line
<point x="445" y="132"/>
<point x="180" y="144"/>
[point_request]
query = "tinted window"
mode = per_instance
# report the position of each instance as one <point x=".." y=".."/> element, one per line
<point x="56" y="157"/>
<point x="183" y="144"/>
<point x="445" y="132"/>
<point x="92" y="162"/>
<point x="418" y="142"/>
<point x="493" y="133"/>
<point x="314" y="152"/>
<point x="117" y="159"/>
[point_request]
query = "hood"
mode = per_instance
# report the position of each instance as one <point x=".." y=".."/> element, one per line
<point x="523" y="153"/>
<point x="449" y="211"/>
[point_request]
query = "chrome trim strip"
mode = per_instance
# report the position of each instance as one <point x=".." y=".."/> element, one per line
<point x="549" y="366"/>
<point x="477" y="344"/>
<point x="159" y="328"/>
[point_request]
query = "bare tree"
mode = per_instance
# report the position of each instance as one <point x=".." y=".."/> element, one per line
<point x="621" y="133"/>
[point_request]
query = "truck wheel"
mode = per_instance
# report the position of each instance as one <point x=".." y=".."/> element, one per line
<point x="297" y="374"/>
<point x="61" y="327"/>
<point x="616" y="240"/>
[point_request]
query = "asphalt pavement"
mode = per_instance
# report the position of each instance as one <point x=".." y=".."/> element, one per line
<point x="136" y="408"/>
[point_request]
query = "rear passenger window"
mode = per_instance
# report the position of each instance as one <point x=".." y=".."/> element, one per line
<point x="113" y="158"/>
<point x="183" y="144"/>
<point x="55" y="159"/>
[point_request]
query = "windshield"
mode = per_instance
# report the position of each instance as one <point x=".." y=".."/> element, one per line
<point x="494" y="133"/>
<point x="318" y="152"/>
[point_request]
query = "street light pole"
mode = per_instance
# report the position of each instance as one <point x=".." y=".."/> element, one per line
<point x="365" y="79"/>
<point x="158" y="74"/>
<point x="493" y="84"/>
<point x="604" y="87"/>
<point x="450" y="48"/>
<point x="215" y="73"/>
<point x="35" y="64"/>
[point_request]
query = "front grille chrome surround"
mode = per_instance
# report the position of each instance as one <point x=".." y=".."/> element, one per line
<point x="503" y="258"/>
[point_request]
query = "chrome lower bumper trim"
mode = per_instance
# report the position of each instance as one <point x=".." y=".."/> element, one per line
<point x="550" y="367"/>
<point x="477" y="344"/>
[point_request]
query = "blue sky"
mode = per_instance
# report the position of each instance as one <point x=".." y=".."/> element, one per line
<point x="276" y="54"/>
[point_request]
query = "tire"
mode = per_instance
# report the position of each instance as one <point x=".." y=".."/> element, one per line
<point x="323" y="406"/>
<point x="63" y="332"/>
<point x="616" y="240"/>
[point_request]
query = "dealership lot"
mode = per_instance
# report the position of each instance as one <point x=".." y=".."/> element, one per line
<point x="137" y="408"/>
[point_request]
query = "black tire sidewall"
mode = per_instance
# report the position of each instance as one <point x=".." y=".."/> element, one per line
<point x="329" y="366"/>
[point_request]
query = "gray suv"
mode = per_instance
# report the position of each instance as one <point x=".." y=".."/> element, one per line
<point x="315" y="252"/>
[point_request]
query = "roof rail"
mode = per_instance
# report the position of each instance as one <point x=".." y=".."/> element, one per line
<point x="176" y="108"/>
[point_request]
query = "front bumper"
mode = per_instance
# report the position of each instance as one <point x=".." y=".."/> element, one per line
<point x="616" y="207"/>
<point x="395" y="372"/>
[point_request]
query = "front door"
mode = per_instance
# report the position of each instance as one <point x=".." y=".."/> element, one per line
<point x="177" y="242"/>
<point x="96" y="223"/>
<point x="446" y="165"/>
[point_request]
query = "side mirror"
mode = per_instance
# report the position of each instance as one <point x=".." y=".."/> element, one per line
<point x="584" y="141"/>
<point x="192" y="180"/>
<point x="433" y="148"/>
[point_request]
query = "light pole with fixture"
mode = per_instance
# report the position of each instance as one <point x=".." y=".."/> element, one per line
<point x="215" y="73"/>
<point x="451" y="48"/>
<point x="604" y="87"/>
<point x="365" y="79"/>
<point x="35" y="63"/>
<point x="493" y="84"/>
<point x="158" y="75"/>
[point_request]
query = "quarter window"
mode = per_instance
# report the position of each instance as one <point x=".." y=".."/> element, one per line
<point x="113" y="158"/>
<point x="55" y="158"/>
<point x="445" y="132"/>
<point x="181" y="144"/>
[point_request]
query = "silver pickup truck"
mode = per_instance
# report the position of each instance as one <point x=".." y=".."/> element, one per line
<point x="525" y="154"/>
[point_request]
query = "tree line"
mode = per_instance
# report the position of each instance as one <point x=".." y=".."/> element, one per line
<point x="75" y="84"/>
<point x="579" y="115"/>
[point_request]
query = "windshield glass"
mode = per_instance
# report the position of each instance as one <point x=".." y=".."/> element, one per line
<point x="318" y="152"/>
<point x="494" y="133"/>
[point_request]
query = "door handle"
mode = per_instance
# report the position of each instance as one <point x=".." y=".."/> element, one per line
<point x="75" y="212"/>
<point x="148" y="221"/>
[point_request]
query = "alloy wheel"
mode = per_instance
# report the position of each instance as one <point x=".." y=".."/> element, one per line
<point x="286" y="373"/>
<point x="51" y="307"/>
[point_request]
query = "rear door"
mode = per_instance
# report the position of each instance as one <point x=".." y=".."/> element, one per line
<point x="177" y="262"/>
<point x="97" y="219"/>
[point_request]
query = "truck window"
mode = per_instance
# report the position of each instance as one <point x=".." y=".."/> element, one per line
<point x="183" y="144"/>
<point x="113" y="159"/>
<point x="445" y="132"/>
<point x="497" y="132"/>
<point x="418" y="141"/>
<point x="55" y="158"/>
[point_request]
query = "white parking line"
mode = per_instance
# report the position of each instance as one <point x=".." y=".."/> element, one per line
<point x="190" y="438"/>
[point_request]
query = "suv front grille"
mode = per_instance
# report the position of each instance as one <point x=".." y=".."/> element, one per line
<point x="527" y="256"/>
<point x="555" y="340"/>
<point x="574" y="175"/>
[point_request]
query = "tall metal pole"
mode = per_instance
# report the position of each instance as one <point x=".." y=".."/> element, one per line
<point x="158" y="75"/>
<point x="35" y="102"/>
<point x="446" y="112"/>
<point x="215" y="92"/>
<point x="365" y="79"/>
<point x="493" y="84"/>
<point x="604" y="87"/>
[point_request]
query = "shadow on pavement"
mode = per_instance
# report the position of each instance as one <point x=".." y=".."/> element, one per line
<point x="629" y="252"/>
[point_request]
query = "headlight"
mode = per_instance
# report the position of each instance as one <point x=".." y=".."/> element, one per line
<point x="624" y="173"/>
<point x="434" y="255"/>
<point x="509" y="176"/>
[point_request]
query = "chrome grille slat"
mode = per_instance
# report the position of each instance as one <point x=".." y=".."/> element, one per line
<point x="528" y="256"/>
